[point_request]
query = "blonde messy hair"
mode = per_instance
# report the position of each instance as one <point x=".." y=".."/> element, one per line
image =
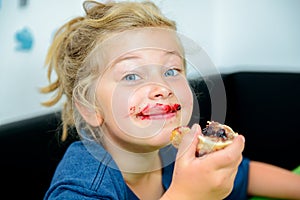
<point x="76" y="39"/>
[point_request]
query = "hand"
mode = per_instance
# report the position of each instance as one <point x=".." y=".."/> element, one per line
<point x="208" y="177"/>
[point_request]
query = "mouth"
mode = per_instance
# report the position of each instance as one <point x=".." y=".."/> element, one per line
<point x="158" y="111"/>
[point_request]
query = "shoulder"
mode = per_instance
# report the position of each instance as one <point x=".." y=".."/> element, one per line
<point x="87" y="169"/>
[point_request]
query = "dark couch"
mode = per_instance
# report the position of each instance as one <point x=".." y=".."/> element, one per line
<point x="264" y="107"/>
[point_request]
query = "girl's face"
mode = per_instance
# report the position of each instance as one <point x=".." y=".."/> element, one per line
<point x="143" y="92"/>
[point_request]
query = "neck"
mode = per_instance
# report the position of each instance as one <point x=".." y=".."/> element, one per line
<point x="147" y="185"/>
<point x="135" y="163"/>
<point x="142" y="172"/>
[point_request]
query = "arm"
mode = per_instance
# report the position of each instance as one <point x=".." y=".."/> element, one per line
<point x="208" y="177"/>
<point x="271" y="181"/>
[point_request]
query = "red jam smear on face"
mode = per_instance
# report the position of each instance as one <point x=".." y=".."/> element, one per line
<point x="157" y="108"/>
<point x="132" y="110"/>
<point x="177" y="107"/>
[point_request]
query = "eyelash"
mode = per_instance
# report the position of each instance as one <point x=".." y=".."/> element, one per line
<point x="127" y="77"/>
<point x="136" y="77"/>
<point x="177" y="71"/>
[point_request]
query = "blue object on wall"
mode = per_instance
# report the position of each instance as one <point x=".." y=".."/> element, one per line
<point x="23" y="3"/>
<point x="24" y="40"/>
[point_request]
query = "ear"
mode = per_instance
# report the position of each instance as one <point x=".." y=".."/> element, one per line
<point x="91" y="116"/>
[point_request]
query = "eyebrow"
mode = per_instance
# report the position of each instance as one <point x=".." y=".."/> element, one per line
<point x="126" y="57"/>
<point x="174" y="53"/>
<point x="132" y="57"/>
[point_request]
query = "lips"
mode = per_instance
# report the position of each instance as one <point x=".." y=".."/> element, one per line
<point x="158" y="110"/>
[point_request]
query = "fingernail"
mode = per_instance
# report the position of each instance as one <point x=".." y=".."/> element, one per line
<point x="194" y="127"/>
<point x="243" y="138"/>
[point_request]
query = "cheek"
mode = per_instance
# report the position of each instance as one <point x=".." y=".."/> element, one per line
<point x="112" y="100"/>
<point x="116" y="102"/>
<point x="185" y="98"/>
<point x="120" y="102"/>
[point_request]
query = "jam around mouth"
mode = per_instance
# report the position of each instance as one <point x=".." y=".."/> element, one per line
<point x="158" y="109"/>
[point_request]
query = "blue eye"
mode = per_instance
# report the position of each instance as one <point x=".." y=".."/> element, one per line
<point x="131" y="77"/>
<point x="171" y="72"/>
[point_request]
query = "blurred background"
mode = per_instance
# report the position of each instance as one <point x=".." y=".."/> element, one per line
<point x="238" y="35"/>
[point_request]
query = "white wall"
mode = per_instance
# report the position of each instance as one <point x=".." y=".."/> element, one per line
<point x="261" y="33"/>
<point x="23" y="73"/>
<point x="239" y="35"/>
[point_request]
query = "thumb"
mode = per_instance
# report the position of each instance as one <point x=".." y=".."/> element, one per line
<point x="188" y="145"/>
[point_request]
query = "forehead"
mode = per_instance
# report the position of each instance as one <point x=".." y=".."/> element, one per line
<point x="132" y="40"/>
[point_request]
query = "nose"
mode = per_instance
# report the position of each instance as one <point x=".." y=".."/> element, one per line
<point x="160" y="92"/>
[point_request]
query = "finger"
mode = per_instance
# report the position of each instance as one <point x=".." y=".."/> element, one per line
<point x="237" y="145"/>
<point x="230" y="155"/>
<point x="189" y="142"/>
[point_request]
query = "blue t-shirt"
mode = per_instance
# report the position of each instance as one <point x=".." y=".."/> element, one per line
<point x="81" y="175"/>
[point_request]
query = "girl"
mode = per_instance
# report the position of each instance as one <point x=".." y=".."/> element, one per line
<point x="122" y="69"/>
